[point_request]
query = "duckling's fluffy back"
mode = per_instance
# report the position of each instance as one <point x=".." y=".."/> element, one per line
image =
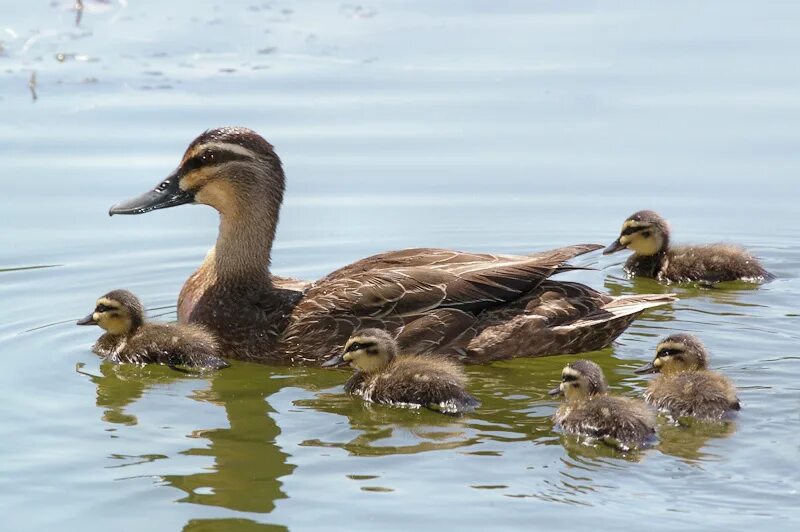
<point x="628" y="423"/>
<point x="164" y="343"/>
<point x="417" y="381"/>
<point x="713" y="263"/>
<point x="701" y="394"/>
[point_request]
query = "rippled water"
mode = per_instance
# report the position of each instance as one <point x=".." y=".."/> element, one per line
<point x="481" y="126"/>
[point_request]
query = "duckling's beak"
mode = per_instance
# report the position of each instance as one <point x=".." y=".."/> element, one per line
<point x="166" y="194"/>
<point x="334" y="362"/>
<point x="556" y="391"/>
<point x="613" y="247"/>
<point x="88" y="320"/>
<point x="647" y="368"/>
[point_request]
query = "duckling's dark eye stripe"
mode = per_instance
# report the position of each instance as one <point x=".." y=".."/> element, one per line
<point x="630" y="230"/>
<point x="356" y="346"/>
<point x="668" y="352"/>
<point x="568" y="378"/>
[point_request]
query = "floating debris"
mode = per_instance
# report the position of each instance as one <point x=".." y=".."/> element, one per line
<point x="78" y="6"/>
<point x="32" y="86"/>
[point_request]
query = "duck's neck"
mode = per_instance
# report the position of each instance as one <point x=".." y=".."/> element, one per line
<point x="244" y="247"/>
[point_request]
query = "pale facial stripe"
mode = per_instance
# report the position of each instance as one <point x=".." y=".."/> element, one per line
<point x="220" y="147"/>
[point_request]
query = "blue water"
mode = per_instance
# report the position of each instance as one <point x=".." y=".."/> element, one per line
<point x="506" y="127"/>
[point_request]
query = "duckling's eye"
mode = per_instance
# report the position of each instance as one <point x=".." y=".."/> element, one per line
<point x="101" y="308"/>
<point x="207" y="157"/>
<point x="569" y="378"/>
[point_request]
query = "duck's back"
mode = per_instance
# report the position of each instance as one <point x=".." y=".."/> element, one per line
<point x="700" y="394"/>
<point x="626" y="421"/>
<point x="712" y="263"/>
<point x="170" y="344"/>
<point x="417" y="380"/>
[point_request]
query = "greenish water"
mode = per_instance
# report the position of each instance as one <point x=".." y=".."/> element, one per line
<point x="478" y="126"/>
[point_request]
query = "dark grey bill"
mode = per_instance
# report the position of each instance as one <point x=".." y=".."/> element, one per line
<point x="88" y="320"/>
<point x="613" y="247"/>
<point x="555" y="391"/>
<point x="647" y="368"/>
<point x="334" y="362"/>
<point x="166" y="194"/>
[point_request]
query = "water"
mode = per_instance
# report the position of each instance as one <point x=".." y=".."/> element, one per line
<point x="483" y="126"/>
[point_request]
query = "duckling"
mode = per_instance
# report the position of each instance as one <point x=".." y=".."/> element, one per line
<point x="685" y="386"/>
<point x="413" y="380"/>
<point x="648" y="235"/>
<point x="129" y="339"/>
<point x="589" y="411"/>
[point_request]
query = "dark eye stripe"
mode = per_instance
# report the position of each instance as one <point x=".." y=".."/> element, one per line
<point x="356" y="346"/>
<point x="568" y="378"/>
<point x="668" y="352"/>
<point x="630" y="230"/>
<point x="211" y="158"/>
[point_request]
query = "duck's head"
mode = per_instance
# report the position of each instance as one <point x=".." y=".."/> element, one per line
<point x="677" y="353"/>
<point x="119" y="312"/>
<point x="368" y="350"/>
<point x="232" y="169"/>
<point x="580" y="380"/>
<point x="644" y="232"/>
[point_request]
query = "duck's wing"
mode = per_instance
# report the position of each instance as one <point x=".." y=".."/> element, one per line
<point x="557" y="318"/>
<point x="400" y="287"/>
<point x="443" y="331"/>
<point x="444" y="259"/>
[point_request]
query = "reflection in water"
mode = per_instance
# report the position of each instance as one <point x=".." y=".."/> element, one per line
<point x="388" y="430"/>
<point x="239" y="525"/>
<point x="247" y="462"/>
<point x="119" y="385"/>
<point x="686" y="439"/>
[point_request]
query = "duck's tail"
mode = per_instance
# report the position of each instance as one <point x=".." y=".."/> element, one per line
<point x="601" y="327"/>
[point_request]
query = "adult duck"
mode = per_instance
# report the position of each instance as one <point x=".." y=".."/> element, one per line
<point x="481" y="307"/>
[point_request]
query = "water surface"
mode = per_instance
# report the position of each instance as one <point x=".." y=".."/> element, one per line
<point x="507" y="127"/>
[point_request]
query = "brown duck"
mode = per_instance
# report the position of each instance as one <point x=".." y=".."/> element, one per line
<point x="648" y="235"/>
<point x="129" y="339"/>
<point x="383" y="375"/>
<point x="480" y="306"/>
<point x="588" y="410"/>
<point x="685" y="387"/>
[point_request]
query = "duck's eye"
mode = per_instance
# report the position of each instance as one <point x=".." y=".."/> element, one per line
<point x="569" y="378"/>
<point x="207" y="157"/>
<point x="101" y="308"/>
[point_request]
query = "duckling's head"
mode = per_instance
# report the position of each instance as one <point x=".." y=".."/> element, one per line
<point x="232" y="169"/>
<point x="119" y="312"/>
<point x="677" y="353"/>
<point x="644" y="232"/>
<point x="580" y="380"/>
<point x="367" y="350"/>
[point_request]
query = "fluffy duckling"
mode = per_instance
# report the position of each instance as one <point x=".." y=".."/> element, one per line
<point x="418" y="381"/>
<point x="648" y="235"/>
<point x="129" y="339"/>
<point x="589" y="411"/>
<point x="685" y="386"/>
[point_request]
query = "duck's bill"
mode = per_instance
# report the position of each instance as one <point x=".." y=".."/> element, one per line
<point x="88" y="320"/>
<point x="613" y="247"/>
<point x="334" y="362"/>
<point x="555" y="391"/>
<point x="166" y="194"/>
<point x="647" y="368"/>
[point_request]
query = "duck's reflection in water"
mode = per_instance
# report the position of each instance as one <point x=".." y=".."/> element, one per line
<point x="247" y="462"/>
